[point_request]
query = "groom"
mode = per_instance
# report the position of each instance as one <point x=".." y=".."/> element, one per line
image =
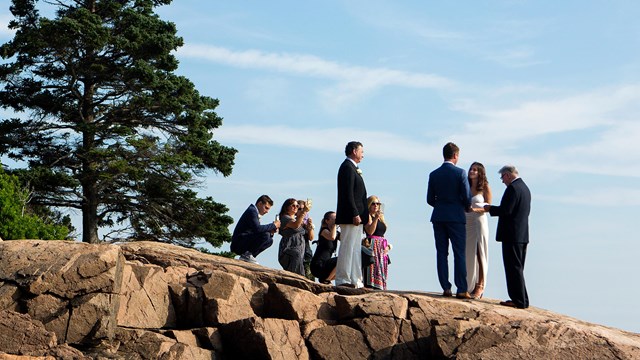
<point x="448" y="192"/>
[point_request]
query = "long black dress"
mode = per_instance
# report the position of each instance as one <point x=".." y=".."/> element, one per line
<point x="323" y="261"/>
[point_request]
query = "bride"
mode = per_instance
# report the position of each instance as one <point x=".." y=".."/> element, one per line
<point x="477" y="249"/>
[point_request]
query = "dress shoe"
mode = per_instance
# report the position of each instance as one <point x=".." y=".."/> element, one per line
<point x="447" y="293"/>
<point x="463" y="295"/>
<point x="510" y="303"/>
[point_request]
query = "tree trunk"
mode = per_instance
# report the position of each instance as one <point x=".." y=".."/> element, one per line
<point x="89" y="177"/>
<point x="90" y="214"/>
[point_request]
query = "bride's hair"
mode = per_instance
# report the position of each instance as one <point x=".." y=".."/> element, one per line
<point x="482" y="176"/>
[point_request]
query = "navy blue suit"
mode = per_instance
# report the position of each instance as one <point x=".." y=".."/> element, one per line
<point x="513" y="232"/>
<point x="249" y="235"/>
<point x="448" y="192"/>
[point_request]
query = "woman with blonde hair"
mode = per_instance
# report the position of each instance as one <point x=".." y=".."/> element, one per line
<point x="375" y="274"/>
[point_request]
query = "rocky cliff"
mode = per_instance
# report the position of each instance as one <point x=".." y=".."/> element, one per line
<point x="143" y="300"/>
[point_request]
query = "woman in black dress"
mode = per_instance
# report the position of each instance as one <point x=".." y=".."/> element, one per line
<point x="323" y="264"/>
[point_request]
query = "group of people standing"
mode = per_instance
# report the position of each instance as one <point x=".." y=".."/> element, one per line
<point x="357" y="228"/>
<point x="460" y="201"/>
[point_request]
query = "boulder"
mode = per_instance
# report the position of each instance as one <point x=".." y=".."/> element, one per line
<point x="380" y="332"/>
<point x="19" y="334"/>
<point x="62" y="268"/>
<point x="288" y="302"/>
<point x="52" y="311"/>
<point x="209" y="338"/>
<point x="228" y="297"/>
<point x="144" y="344"/>
<point x="145" y="297"/>
<point x="257" y="338"/>
<point x="338" y="342"/>
<point x="9" y="295"/>
<point x="22" y="337"/>
<point x="375" y="303"/>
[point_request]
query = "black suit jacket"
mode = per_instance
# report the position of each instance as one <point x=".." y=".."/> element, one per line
<point x="352" y="195"/>
<point x="513" y="213"/>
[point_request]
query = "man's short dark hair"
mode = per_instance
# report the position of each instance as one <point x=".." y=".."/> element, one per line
<point x="351" y="146"/>
<point x="449" y="150"/>
<point x="265" y="199"/>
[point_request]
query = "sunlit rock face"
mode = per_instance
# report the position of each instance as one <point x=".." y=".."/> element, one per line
<point x="146" y="300"/>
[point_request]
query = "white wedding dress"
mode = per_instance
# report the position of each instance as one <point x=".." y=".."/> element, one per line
<point x="477" y="249"/>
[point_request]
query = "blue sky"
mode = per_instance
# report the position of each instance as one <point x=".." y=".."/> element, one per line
<point x="550" y="87"/>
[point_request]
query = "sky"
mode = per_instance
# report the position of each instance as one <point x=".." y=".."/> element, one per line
<point x="550" y="87"/>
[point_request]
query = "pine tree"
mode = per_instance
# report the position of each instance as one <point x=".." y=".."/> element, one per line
<point x="105" y="125"/>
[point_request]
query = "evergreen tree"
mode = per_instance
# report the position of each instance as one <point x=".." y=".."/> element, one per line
<point x="108" y="128"/>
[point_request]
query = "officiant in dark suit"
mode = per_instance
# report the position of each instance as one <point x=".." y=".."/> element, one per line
<point x="448" y="192"/>
<point x="513" y="232"/>
<point x="351" y="212"/>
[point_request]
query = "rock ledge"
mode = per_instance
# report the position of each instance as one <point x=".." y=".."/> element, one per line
<point x="146" y="300"/>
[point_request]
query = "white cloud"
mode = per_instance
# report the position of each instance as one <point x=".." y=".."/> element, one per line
<point x="496" y="136"/>
<point x="516" y="57"/>
<point x="604" y="107"/>
<point x="313" y="66"/>
<point x="565" y="135"/>
<point x="387" y="145"/>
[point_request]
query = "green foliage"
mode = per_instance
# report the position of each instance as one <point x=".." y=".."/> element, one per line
<point x="110" y="129"/>
<point x="227" y="254"/>
<point x="17" y="219"/>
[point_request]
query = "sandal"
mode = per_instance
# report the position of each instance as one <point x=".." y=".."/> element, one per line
<point x="478" y="291"/>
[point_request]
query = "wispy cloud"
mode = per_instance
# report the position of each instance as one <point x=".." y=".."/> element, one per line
<point x="501" y="135"/>
<point x="516" y="57"/>
<point x="567" y="134"/>
<point x="388" y="145"/>
<point x="353" y="77"/>
<point x="604" y="107"/>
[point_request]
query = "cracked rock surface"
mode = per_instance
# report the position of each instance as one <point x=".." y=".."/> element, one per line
<point x="146" y="300"/>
